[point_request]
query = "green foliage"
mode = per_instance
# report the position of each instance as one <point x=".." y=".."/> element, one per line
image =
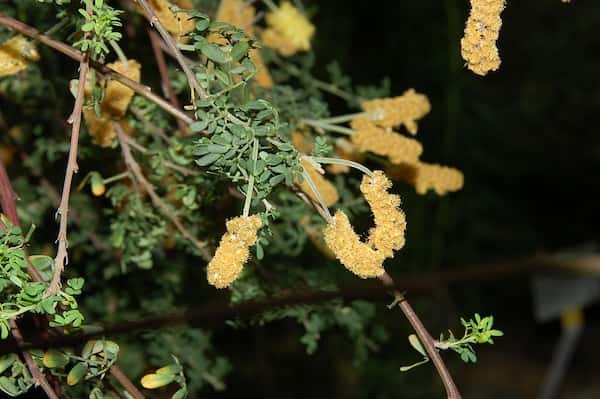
<point x="100" y="23"/>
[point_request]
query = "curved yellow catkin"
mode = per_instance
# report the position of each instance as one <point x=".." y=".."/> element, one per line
<point x="289" y="31"/>
<point x="397" y="148"/>
<point x="478" y="45"/>
<point x="15" y="54"/>
<point x="402" y="110"/>
<point x="242" y="15"/>
<point x="233" y="251"/>
<point x="114" y="105"/>
<point x="355" y="255"/>
<point x="326" y="188"/>
<point x="178" y="24"/>
<point x="441" y="179"/>
<point x="390" y="222"/>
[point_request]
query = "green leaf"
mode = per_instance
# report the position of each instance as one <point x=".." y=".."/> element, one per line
<point x="214" y="53"/>
<point x="239" y="50"/>
<point x="55" y="359"/>
<point x="208" y="159"/>
<point x="180" y="394"/>
<point x="199" y="126"/>
<point x="8" y="386"/>
<point x="416" y="344"/>
<point x="77" y="373"/>
<point x="153" y="381"/>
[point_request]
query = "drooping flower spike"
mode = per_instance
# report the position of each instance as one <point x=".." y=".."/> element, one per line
<point x="405" y="110"/>
<point x="233" y="251"/>
<point x="289" y="31"/>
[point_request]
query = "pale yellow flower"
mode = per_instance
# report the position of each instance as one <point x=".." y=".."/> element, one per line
<point x="233" y="251"/>
<point x="402" y="110"/>
<point x="355" y="255"/>
<point x="289" y="31"/>
<point x="326" y="188"/>
<point x="441" y="179"/>
<point x="372" y="138"/>
<point x="390" y="222"/>
<point x="478" y="45"/>
<point x="15" y="54"/>
<point x="114" y="105"/>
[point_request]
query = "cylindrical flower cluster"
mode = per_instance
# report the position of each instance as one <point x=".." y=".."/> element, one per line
<point x="233" y="251"/>
<point x="402" y="110"/>
<point x="15" y="54"/>
<point x="478" y="45"/>
<point x="397" y="148"/>
<point x="390" y="222"/>
<point x="355" y="255"/>
<point x="289" y="31"/>
<point x="441" y="179"/>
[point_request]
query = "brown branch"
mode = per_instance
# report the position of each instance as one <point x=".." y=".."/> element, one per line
<point x="136" y="171"/>
<point x="126" y="383"/>
<point x="98" y="66"/>
<point x="166" y="83"/>
<point x="424" y="336"/>
<point x="63" y="210"/>
<point x="172" y="44"/>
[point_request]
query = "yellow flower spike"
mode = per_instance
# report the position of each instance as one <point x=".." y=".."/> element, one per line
<point x="441" y="179"/>
<point x="178" y="24"/>
<point x="402" y="110"/>
<point x="390" y="222"/>
<point x="397" y="148"/>
<point x="117" y="96"/>
<point x="325" y="187"/>
<point x="478" y="45"/>
<point x="233" y="251"/>
<point x="355" y="255"/>
<point x="289" y="31"/>
<point x="15" y="54"/>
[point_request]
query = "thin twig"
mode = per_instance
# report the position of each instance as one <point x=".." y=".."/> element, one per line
<point x="136" y="171"/>
<point x="424" y="336"/>
<point x="63" y="210"/>
<point x="172" y="44"/>
<point x="98" y="66"/>
<point x="166" y="83"/>
<point x="126" y="383"/>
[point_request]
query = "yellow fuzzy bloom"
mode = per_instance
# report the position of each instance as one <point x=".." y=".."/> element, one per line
<point x="355" y="255"/>
<point x="402" y="110"/>
<point x="302" y="142"/>
<point x="114" y="105"/>
<point x="289" y="31"/>
<point x="390" y="222"/>
<point x="178" y="24"/>
<point x="325" y="187"/>
<point x="15" y="54"/>
<point x="236" y="12"/>
<point x="397" y="148"/>
<point x="233" y="251"/>
<point x="441" y="179"/>
<point x="478" y="45"/>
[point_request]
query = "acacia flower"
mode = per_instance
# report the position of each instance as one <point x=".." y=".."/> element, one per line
<point x="370" y="137"/>
<point x="289" y="31"/>
<point x="180" y="23"/>
<point x="15" y="54"/>
<point x="233" y="251"/>
<point x="114" y="105"/>
<point x="355" y="255"/>
<point x="402" y="110"/>
<point x="441" y="179"/>
<point x="478" y="45"/>
<point x="325" y="187"/>
<point x="390" y="222"/>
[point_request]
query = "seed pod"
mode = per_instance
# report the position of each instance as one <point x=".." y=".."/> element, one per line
<point x="233" y="251"/>
<point x="390" y="222"/>
<point x="402" y="110"/>
<point x="397" y="148"/>
<point x="478" y="45"/>
<point x="355" y="255"/>
<point x="325" y="187"/>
